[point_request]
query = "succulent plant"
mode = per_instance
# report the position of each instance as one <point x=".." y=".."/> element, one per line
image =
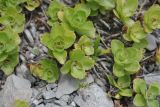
<point x="46" y="70"/>
<point x="58" y="40"/>
<point x="77" y="64"/>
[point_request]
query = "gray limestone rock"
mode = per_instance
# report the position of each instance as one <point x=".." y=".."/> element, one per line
<point x="15" y="88"/>
<point x="66" y="85"/>
<point x="151" y="42"/>
<point x="93" y="96"/>
<point x="150" y="78"/>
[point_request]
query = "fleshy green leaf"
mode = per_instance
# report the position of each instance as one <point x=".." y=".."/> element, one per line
<point x="87" y="62"/>
<point x="153" y="103"/>
<point x="126" y="92"/>
<point x="116" y="45"/>
<point x="20" y="103"/>
<point x="132" y="67"/>
<point x="66" y="68"/>
<point x="124" y="81"/>
<point x="77" y="70"/>
<point x="60" y="56"/>
<point x="153" y="91"/>
<point x="139" y="100"/>
<point x="139" y="86"/>
<point x="135" y="33"/>
<point x="152" y="18"/>
<point x="118" y="70"/>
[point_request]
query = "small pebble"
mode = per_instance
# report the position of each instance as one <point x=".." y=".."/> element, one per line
<point x="28" y="36"/>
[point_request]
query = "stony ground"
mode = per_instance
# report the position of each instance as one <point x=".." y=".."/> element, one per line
<point x="69" y="92"/>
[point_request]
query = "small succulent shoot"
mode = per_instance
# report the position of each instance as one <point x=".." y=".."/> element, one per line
<point x="32" y="4"/>
<point x="21" y="103"/>
<point x="46" y="70"/>
<point x="76" y="19"/>
<point x="8" y="19"/>
<point x="58" y="40"/>
<point x="152" y="18"/>
<point x="126" y="59"/>
<point x="4" y="4"/>
<point x="100" y="5"/>
<point x="145" y="96"/>
<point x="141" y="45"/>
<point x="55" y="7"/>
<point x="77" y="64"/>
<point x="122" y="84"/>
<point x="85" y="44"/>
<point x="125" y="9"/>
<point x="135" y="33"/>
<point x="9" y="42"/>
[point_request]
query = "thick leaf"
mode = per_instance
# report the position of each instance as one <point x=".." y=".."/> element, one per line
<point x="77" y="70"/>
<point x="139" y="86"/>
<point x="116" y="45"/>
<point x="126" y="92"/>
<point x="60" y="56"/>
<point x="124" y="81"/>
<point x="132" y="67"/>
<point x="66" y="68"/>
<point x="20" y="103"/>
<point x="139" y="100"/>
<point x="87" y="62"/>
<point x="152" y="18"/>
<point x="153" y="91"/>
<point x="77" y="55"/>
<point x="118" y="70"/>
<point x="153" y="103"/>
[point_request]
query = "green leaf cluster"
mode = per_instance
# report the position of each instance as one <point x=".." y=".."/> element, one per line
<point x="12" y="18"/>
<point x="77" y="64"/>
<point x="135" y="32"/>
<point x="86" y="44"/>
<point x="122" y="84"/>
<point x="152" y="18"/>
<point x="71" y="39"/>
<point x="126" y="59"/>
<point x="58" y="40"/>
<point x="46" y="70"/>
<point x="32" y="4"/>
<point x="76" y="19"/>
<point x="145" y="96"/>
<point x="125" y="9"/>
<point x="9" y="42"/>
<point x="20" y="103"/>
<point x="54" y="8"/>
<point x="100" y="5"/>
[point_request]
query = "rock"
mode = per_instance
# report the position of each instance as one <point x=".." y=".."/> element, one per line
<point x="28" y="36"/>
<point x="88" y="80"/>
<point x="49" y="94"/>
<point x="66" y="85"/>
<point x="41" y="105"/>
<point x="150" y="78"/>
<point x="21" y="70"/>
<point x="51" y="105"/>
<point x="37" y="102"/>
<point x="51" y="86"/>
<point x="93" y="96"/>
<point x="35" y="92"/>
<point x="15" y="88"/>
<point x="65" y="98"/>
<point x="151" y="42"/>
